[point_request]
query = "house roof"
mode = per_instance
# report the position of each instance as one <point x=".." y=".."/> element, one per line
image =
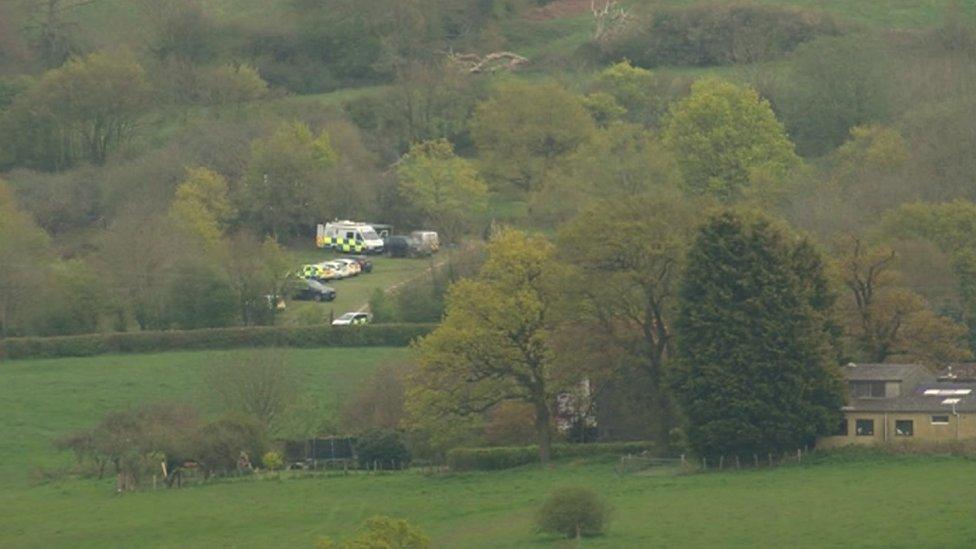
<point x="883" y="372"/>
<point x="961" y="371"/>
<point x="929" y="397"/>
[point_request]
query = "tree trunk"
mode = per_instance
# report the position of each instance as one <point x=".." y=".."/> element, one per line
<point x="543" y="433"/>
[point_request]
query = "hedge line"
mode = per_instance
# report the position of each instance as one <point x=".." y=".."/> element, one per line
<point x="491" y="459"/>
<point x="380" y="335"/>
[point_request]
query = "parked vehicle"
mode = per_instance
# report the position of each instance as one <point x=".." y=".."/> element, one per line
<point x="342" y="270"/>
<point x="353" y="319"/>
<point x="429" y="239"/>
<point x="406" y="246"/>
<point x="351" y="264"/>
<point x="349" y="237"/>
<point x="365" y="263"/>
<point x="319" y="271"/>
<point x="313" y="290"/>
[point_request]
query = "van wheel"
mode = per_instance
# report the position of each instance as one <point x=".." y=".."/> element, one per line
<point x="317" y="297"/>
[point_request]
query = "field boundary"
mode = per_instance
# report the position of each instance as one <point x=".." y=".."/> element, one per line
<point x="324" y="335"/>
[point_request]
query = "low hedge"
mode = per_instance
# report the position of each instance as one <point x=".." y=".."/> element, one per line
<point x="492" y="459"/>
<point x="380" y="335"/>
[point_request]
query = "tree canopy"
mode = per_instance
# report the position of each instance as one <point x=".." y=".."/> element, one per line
<point x="755" y="372"/>
<point x="724" y="135"/>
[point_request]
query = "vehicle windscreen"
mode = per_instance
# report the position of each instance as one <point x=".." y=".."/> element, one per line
<point x="370" y="234"/>
<point x="348" y="316"/>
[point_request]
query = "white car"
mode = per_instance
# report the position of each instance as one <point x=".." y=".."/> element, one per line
<point x="342" y="270"/>
<point x="353" y="319"/>
<point x="352" y="266"/>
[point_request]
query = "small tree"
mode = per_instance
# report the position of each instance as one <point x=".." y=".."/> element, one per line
<point x="495" y="343"/>
<point x="202" y="205"/>
<point x="257" y="384"/>
<point x="443" y="187"/>
<point x="273" y="461"/>
<point x="573" y="512"/>
<point x="378" y="403"/>
<point x="285" y="174"/>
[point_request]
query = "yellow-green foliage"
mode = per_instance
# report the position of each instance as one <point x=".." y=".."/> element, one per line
<point x="445" y="188"/>
<point x="722" y="134"/>
<point x="494" y="344"/>
<point x="381" y="532"/>
<point x="285" y="177"/>
<point x="235" y="84"/>
<point x="273" y="461"/>
<point x="524" y="129"/>
<point x="202" y="205"/>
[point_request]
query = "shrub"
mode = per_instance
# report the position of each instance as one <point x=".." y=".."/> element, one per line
<point x="382" y="447"/>
<point x="573" y="512"/>
<point x="378" y="403"/>
<point x="489" y="459"/>
<point x="388" y="335"/>
<point x="273" y="461"/>
<point x="717" y="34"/>
<point x="225" y="441"/>
<point x="511" y="423"/>
<point x="380" y="531"/>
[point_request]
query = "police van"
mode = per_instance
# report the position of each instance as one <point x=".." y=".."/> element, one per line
<point x="349" y="237"/>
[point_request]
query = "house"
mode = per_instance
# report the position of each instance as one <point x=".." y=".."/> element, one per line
<point x="901" y="402"/>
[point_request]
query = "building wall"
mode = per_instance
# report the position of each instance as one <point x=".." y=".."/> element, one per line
<point x="962" y="426"/>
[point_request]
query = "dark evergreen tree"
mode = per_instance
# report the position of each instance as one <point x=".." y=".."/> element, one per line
<point x="755" y="372"/>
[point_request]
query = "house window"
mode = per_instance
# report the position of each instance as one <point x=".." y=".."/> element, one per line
<point x="904" y="428"/>
<point x="867" y="389"/>
<point x="940" y="420"/>
<point x="864" y="428"/>
<point x="842" y="428"/>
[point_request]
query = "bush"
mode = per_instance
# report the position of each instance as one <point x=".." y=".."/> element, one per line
<point x="388" y="335"/>
<point x="573" y="512"/>
<point x="225" y="441"/>
<point x="384" y="448"/>
<point x="490" y="459"/>
<point x="717" y="34"/>
<point x="380" y="531"/>
<point x="273" y="461"/>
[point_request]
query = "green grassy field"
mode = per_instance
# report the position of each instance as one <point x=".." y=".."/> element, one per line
<point x="44" y="399"/>
<point x="889" y="502"/>
<point x="896" y="503"/>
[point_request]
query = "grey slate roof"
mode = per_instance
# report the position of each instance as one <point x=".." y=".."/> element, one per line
<point x="883" y="372"/>
<point x="961" y="371"/>
<point x="915" y="400"/>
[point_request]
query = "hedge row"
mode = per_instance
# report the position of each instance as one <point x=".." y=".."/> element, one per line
<point x="491" y="459"/>
<point x="380" y="335"/>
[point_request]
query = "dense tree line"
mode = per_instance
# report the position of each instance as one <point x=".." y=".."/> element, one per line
<point x="158" y="182"/>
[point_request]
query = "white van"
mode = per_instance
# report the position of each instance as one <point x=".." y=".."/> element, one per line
<point x="429" y="239"/>
<point x="349" y="237"/>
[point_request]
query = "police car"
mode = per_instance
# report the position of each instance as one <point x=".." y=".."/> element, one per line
<point x="349" y="237"/>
